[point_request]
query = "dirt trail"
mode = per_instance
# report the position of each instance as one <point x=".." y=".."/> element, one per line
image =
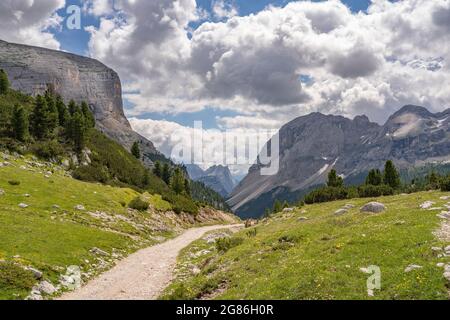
<point x="144" y="274"/>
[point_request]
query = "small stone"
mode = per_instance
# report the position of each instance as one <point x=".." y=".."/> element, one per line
<point x="2" y="192"/>
<point x="36" y="273"/>
<point x="440" y="265"/>
<point x="285" y="210"/>
<point x="80" y="207"/>
<point x="196" y="271"/>
<point x="364" y="270"/>
<point x="26" y="195"/>
<point x="447" y="276"/>
<point x="436" y="249"/>
<point x="23" y="205"/>
<point x="99" y="251"/>
<point x="447" y="250"/>
<point x="302" y="219"/>
<point x="373" y="207"/>
<point x="55" y="206"/>
<point x="427" y="205"/>
<point x="340" y="212"/>
<point x="412" y="267"/>
<point x="349" y="206"/>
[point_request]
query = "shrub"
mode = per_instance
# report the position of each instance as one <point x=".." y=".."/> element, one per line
<point x="14" y="182"/>
<point x="326" y="194"/>
<point x="225" y="244"/>
<point x="48" y="149"/>
<point x="369" y="191"/>
<point x="13" y="277"/>
<point x="139" y="204"/>
<point x="91" y="174"/>
<point x="445" y="184"/>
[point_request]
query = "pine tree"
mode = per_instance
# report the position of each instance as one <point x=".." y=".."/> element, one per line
<point x="375" y="178"/>
<point x="277" y="207"/>
<point x="88" y="116"/>
<point x="135" y="151"/>
<point x="166" y="173"/>
<point x="334" y="180"/>
<point x="72" y="107"/>
<point x="391" y="176"/>
<point x="20" y="123"/>
<point x="157" y="170"/>
<point x="146" y="178"/>
<point x="63" y="113"/>
<point x="39" y="118"/>
<point x="187" y="187"/>
<point x="177" y="181"/>
<point x="4" y="82"/>
<point x="78" y="130"/>
<point x="52" y="115"/>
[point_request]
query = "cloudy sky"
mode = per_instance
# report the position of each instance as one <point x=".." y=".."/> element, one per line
<point x="238" y="64"/>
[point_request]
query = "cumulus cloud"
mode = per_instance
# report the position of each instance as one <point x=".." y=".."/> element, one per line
<point x="369" y="63"/>
<point x="29" y="22"/>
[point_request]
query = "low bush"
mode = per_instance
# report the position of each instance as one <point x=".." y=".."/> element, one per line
<point x="13" y="277"/>
<point x="48" y="149"/>
<point x="91" y="174"/>
<point x="370" y="191"/>
<point x="327" y="194"/>
<point x="139" y="204"/>
<point x="14" y="182"/>
<point x="225" y="244"/>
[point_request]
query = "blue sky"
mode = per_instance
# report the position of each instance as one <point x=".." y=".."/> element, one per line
<point x="76" y="41"/>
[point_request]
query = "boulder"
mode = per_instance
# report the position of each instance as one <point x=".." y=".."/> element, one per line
<point x="373" y="207"/>
<point x="36" y="273"/>
<point x="46" y="288"/>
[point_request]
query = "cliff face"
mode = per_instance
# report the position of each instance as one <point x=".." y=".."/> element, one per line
<point x="33" y="70"/>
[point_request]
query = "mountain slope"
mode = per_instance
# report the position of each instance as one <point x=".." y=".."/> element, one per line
<point x="311" y="254"/>
<point x="312" y="145"/>
<point x="34" y="70"/>
<point x="218" y="178"/>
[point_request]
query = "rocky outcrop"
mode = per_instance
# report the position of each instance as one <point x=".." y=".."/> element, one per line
<point x="34" y="70"/>
<point x="312" y="145"/>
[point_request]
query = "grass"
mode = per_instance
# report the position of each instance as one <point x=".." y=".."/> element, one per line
<point x="320" y="258"/>
<point x="50" y="234"/>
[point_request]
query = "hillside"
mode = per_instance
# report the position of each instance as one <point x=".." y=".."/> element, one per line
<point x="312" y="145"/>
<point x="50" y="221"/>
<point x="313" y="253"/>
<point x="218" y="178"/>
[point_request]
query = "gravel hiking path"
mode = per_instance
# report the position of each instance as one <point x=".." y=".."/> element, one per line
<point x="142" y="275"/>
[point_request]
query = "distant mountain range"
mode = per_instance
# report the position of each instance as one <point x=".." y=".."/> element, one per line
<point x="218" y="178"/>
<point x="312" y="145"/>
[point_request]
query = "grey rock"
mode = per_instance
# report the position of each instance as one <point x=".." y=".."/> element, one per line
<point x="340" y="212"/>
<point x="2" y="192"/>
<point x="427" y="205"/>
<point x="302" y="219"/>
<point x="36" y="273"/>
<point x="80" y="207"/>
<point x="349" y="206"/>
<point x="46" y="287"/>
<point x="412" y="267"/>
<point x="99" y="252"/>
<point x="447" y="276"/>
<point x="33" y="70"/>
<point x="373" y="207"/>
<point x="196" y="271"/>
<point x="23" y="205"/>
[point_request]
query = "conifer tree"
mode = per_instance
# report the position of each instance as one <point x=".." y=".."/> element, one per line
<point x="157" y="170"/>
<point x="375" y="178"/>
<point x="135" y="151"/>
<point x="88" y="115"/>
<point x="4" y="82"/>
<point x="166" y="173"/>
<point x="187" y="187"/>
<point x="177" y="181"/>
<point x="20" y="123"/>
<point x="78" y="130"/>
<point x="391" y="176"/>
<point x="72" y="107"/>
<point x="63" y="113"/>
<point x="334" y="180"/>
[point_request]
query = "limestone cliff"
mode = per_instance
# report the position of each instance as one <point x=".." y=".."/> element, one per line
<point x="33" y="70"/>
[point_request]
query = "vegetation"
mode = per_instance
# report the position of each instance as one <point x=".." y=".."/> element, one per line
<point x="4" y="82"/>
<point x="321" y="257"/>
<point x="139" y="204"/>
<point x="135" y="150"/>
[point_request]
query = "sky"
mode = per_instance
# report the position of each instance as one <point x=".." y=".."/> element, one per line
<point x="244" y="64"/>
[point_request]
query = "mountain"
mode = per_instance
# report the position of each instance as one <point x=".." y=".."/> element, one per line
<point x="34" y="70"/>
<point x="312" y="145"/>
<point x="218" y="178"/>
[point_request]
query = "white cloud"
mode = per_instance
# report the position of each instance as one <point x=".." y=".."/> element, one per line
<point x="373" y="63"/>
<point x="99" y="7"/>
<point x="28" y="21"/>
<point x="224" y="9"/>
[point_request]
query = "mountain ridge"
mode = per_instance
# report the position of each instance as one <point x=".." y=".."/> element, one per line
<point x="312" y="145"/>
